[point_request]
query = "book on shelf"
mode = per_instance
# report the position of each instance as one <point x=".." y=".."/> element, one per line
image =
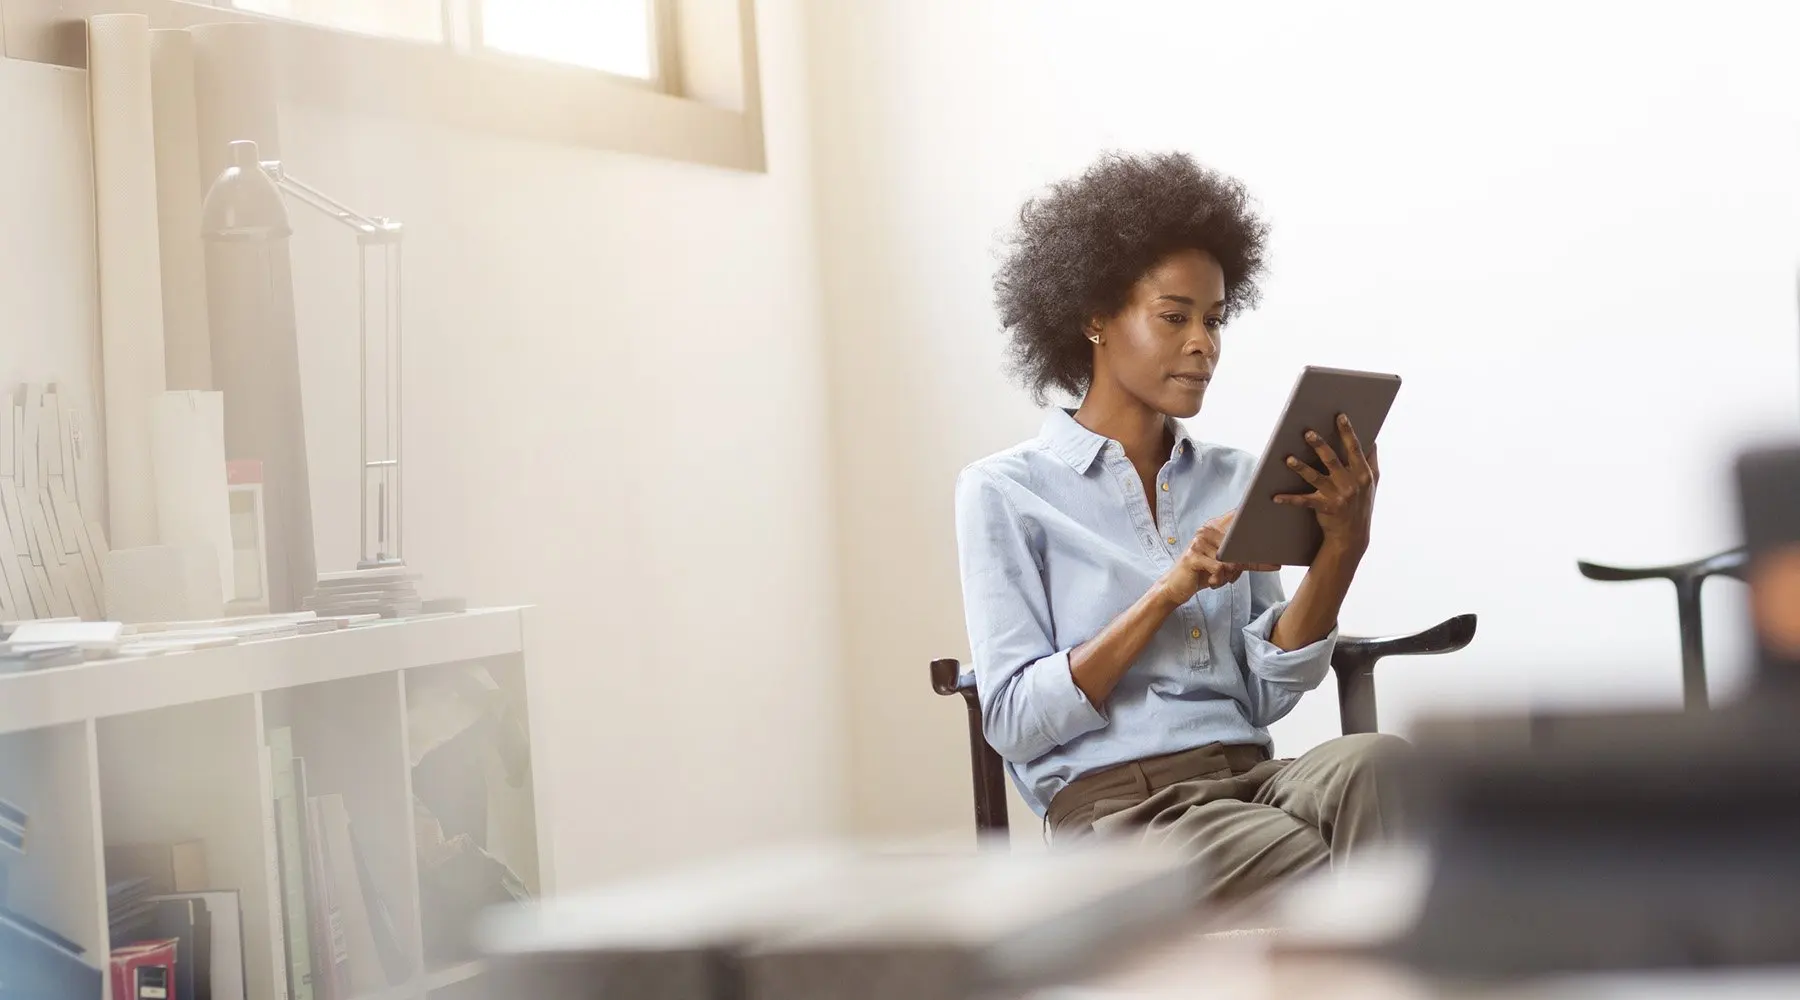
<point x="354" y="927"/>
<point x="13" y="823"/>
<point x="340" y="938"/>
<point x="382" y="924"/>
<point x="145" y="971"/>
<point x="186" y="922"/>
<point x="219" y="958"/>
<point x="330" y="974"/>
<point x="40" y="930"/>
<point x="36" y="961"/>
<point x="290" y="844"/>
<point x="272" y="880"/>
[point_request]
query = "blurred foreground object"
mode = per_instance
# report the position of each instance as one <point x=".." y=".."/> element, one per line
<point x="839" y="922"/>
<point x="1653" y="841"/>
<point x="1769" y="491"/>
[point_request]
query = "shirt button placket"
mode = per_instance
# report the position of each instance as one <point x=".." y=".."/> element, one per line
<point x="1168" y="511"/>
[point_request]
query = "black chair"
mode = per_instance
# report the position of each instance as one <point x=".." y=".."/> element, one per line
<point x="1687" y="578"/>
<point x="1353" y="661"/>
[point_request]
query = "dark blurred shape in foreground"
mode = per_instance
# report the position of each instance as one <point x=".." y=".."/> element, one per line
<point x="1653" y="840"/>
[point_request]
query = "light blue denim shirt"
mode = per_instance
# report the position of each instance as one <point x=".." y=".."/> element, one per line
<point x="1055" y="540"/>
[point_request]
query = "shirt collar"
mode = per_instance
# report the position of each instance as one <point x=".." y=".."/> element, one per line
<point x="1184" y="442"/>
<point x="1078" y="446"/>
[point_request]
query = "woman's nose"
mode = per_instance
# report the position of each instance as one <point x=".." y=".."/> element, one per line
<point x="1205" y="343"/>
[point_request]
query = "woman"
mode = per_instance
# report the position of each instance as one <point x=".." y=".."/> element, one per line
<point x="1127" y="675"/>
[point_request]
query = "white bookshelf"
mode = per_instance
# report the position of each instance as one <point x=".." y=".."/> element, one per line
<point x="169" y="748"/>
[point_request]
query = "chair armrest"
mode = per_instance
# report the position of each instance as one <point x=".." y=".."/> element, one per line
<point x="1354" y="663"/>
<point x="1445" y="637"/>
<point x="987" y="770"/>
<point x="1732" y="563"/>
<point x="949" y="677"/>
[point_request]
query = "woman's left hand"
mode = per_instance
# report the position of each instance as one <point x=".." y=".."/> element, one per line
<point x="1343" y="496"/>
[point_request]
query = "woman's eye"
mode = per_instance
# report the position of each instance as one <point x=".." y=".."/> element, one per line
<point x="1176" y="319"/>
<point x="1214" y="322"/>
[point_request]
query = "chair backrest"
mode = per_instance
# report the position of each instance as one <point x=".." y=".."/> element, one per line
<point x="1688" y="578"/>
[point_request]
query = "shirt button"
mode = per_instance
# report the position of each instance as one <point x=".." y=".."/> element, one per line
<point x="1194" y="634"/>
<point x="1165" y="487"/>
<point x="1171" y="539"/>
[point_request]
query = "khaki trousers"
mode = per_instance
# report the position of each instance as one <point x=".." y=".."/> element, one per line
<point x="1250" y="821"/>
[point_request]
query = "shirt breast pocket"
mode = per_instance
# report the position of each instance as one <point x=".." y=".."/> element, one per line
<point x="1227" y="608"/>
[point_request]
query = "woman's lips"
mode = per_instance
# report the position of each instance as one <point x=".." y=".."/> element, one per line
<point x="1193" y="380"/>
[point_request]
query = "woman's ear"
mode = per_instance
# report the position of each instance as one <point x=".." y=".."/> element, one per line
<point x="1095" y="330"/>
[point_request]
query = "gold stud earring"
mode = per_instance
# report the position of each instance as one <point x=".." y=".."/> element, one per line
<point x="1095" y="338"/>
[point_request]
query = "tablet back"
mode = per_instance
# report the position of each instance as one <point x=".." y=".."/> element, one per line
<point x="1267" y="532"/>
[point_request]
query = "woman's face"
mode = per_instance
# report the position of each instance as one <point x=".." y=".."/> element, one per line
<point x="1162" y="347"/>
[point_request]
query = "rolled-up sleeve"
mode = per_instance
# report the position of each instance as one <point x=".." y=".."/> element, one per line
<point x="1277" y="677"/>
<point x="1029" y="702"/>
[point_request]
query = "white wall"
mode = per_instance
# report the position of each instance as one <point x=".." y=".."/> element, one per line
<point x="1571" y="228"/>
<point x="615" y="410"/>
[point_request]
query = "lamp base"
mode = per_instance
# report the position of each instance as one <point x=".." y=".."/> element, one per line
<point x="388" y="590"/>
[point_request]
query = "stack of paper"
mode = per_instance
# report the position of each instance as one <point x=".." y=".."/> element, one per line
<point x="390" y="593"/>
<point x="18" y="657"/>
<point x="129" y="909"/>
<point x="94" y="639"/>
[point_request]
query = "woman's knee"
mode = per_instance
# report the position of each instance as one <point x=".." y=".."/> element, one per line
<point x="1361" y="753"/>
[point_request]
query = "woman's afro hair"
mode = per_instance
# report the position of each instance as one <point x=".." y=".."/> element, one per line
<point x="1079" y="248"/>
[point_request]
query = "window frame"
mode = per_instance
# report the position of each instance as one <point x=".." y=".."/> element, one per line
<point x="479" y="90"/>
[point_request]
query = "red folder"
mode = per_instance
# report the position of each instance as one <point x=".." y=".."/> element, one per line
<point x="145" y="971"/>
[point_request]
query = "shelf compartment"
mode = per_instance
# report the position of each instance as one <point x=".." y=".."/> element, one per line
<point x="468" y="739"/>
<point x="192" y="772"/>
<point x="348" y="733"/>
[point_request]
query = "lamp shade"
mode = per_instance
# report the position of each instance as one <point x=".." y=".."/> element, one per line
<point x="244" y="204"/>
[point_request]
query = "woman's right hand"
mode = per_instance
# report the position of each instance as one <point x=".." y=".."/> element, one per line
<point x="1099" y="663"/>
<point x="1198" y="567"/>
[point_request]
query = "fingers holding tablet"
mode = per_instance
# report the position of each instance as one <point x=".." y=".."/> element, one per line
<point x="1327" y="454"/>
<point x="1343" y="495"/>
<point x="1355" y="459"/>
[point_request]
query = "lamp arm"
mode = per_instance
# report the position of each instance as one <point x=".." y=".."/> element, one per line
<point x="324" y="204"/>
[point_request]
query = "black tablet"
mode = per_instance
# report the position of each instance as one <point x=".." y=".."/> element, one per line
<point x="1267" y="532"/>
